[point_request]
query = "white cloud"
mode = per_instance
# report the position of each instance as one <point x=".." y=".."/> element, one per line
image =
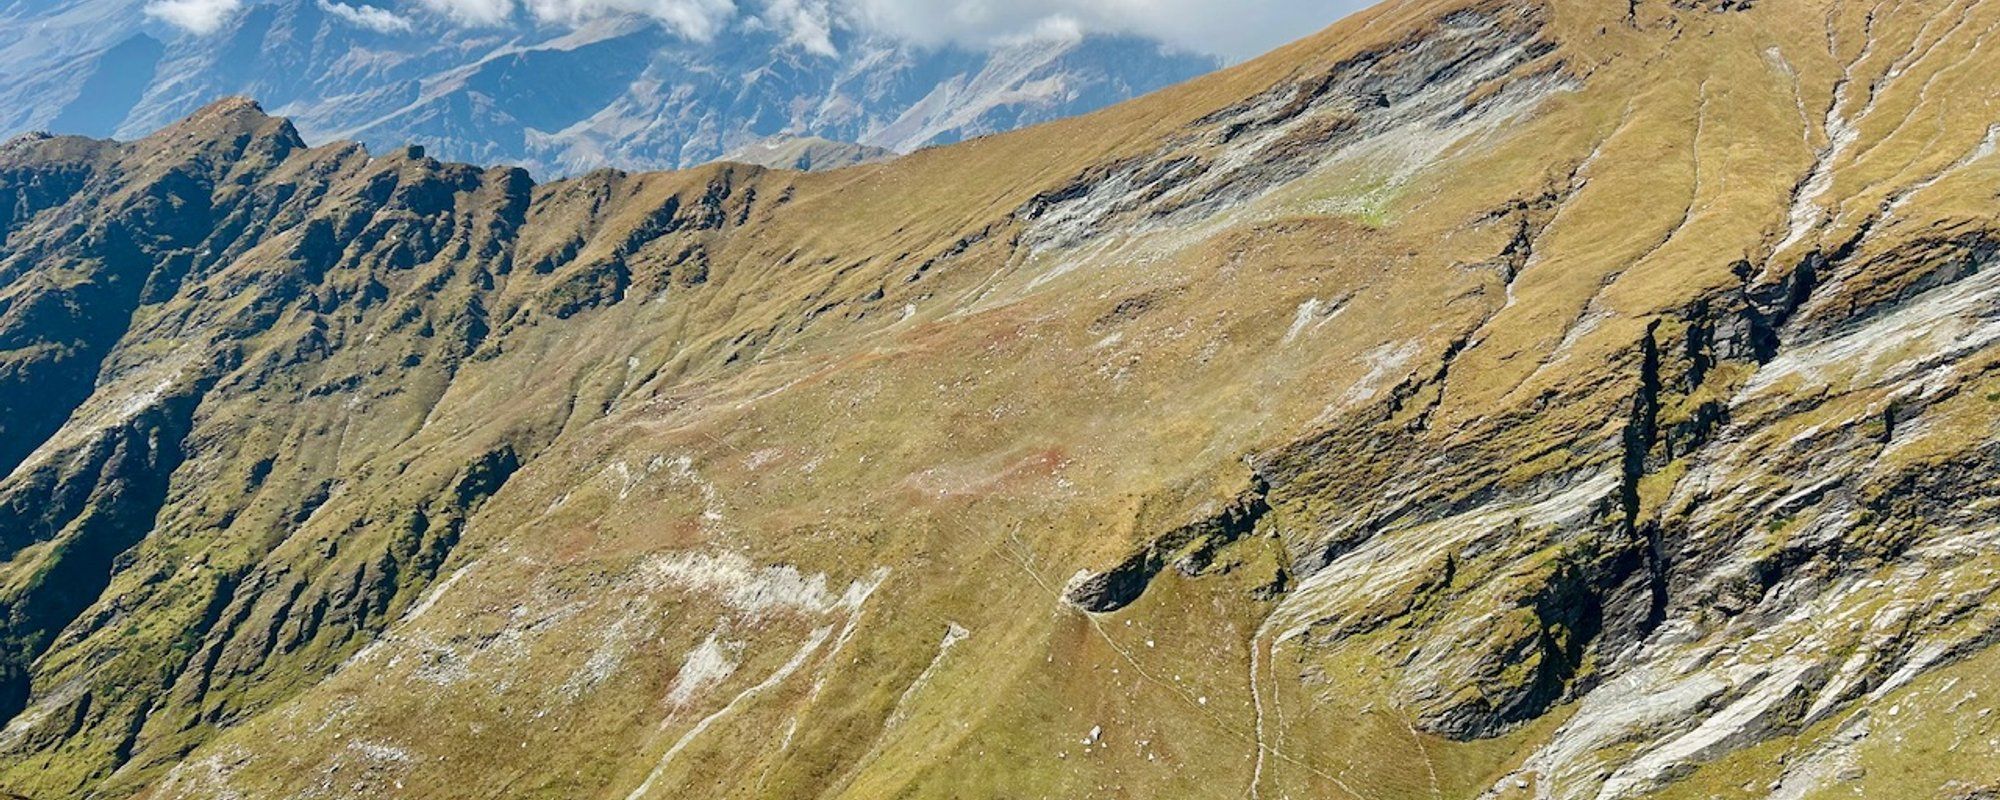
<point x="199" y="17"/>
<point x="472" y="13"/>
<point x="700" y="20"/>
<point x="805" y="23"/>
<point x="379" y="20"/>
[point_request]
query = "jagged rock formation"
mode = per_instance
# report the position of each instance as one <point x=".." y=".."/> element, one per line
<point x="1489" y="399"/>
<point x="626" y="91"/>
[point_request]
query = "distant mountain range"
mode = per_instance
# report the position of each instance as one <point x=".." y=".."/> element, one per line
<point x="629" y="92"/>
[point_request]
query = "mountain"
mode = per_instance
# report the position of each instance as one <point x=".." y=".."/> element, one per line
<point x="807" y="154"/>
<point x="1478" y="399"/>
<point x="628" y="92"/>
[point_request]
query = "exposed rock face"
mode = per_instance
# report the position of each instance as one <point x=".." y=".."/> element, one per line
<point x="1592" y="401"/>
<point x="559" y="100"/>
<point x="807" y="154"/>
<point x="1190" y="548"/>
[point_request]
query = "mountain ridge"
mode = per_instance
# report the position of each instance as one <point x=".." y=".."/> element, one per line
<point x="1434" y="384"/>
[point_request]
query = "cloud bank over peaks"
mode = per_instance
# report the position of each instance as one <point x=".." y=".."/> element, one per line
<point x="1232" y="29"/>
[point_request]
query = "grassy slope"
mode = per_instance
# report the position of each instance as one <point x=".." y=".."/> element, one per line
<point x="1033" y="415"/>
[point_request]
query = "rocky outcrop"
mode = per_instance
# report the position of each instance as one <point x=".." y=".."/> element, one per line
<point x="1404" y="100"/>
<point x="1190" y="549"/>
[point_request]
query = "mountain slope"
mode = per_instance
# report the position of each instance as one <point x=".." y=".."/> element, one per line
<point x="1492" y="399"/>
<point x="626" y="92"/>
<point x="807" y="154"/>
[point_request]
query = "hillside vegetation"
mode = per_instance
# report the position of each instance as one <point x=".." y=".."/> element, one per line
<point x="1495" y="399"/>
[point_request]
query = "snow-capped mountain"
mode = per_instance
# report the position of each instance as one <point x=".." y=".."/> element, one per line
<point x="632" y="91"/>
